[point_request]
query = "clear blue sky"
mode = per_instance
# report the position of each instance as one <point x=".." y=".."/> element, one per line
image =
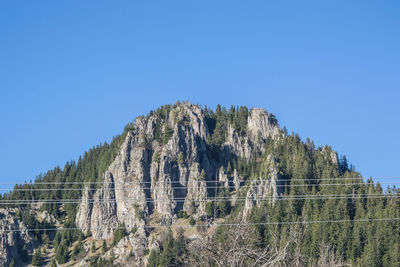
<point x="73" y="73"/>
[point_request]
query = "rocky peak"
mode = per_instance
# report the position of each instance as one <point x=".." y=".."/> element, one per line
<point x="260" y="126"/>
<point x="164" y="166"/>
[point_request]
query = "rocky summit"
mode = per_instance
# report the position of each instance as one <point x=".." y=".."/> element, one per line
<point x="149" y="177"/>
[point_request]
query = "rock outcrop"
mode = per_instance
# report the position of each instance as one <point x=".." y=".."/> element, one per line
<point x="264" y="188"/>
<point x="166" y="175"/>
<point x="131" y="248"/>
<point x="260" y="126"/>
<point x="13" y="235"/>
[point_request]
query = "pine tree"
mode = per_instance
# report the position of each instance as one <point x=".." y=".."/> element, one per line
<point x="192" y="221"/>
<point x="210" y="209"/>
<point x="153" y="259"/>
<point x="229" y="168"/>
<point x="180" y="245"/>
<point x="104" y="246"/>
<point x="93" y="247"/>
<point x="77" y="249"/>
<point x="119" y="234"/>
<point x="167" y="256"/>
<point x="24" y="253"/>
<point x="112" y="256"/>
<point x="224" y="207"/>
<point x="37" y="258"/>
<point x="45" y="238"/>
<point x="167" y="133"/>
<point x="62" y="255"/>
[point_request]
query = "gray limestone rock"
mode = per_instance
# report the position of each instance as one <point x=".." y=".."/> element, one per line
<point x="264" y="187"/>
<point x="148" y="176"/>
<point x="13" y="233"/>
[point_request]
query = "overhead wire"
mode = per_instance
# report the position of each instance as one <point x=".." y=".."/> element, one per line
<point x="216" y="199"/>
<point x="211" y="181"/>
<point x="215" y="224"/>
<point x="188" y="187"/>
<point x="213" y="199"/>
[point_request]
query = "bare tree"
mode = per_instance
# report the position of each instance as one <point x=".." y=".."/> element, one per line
<point x="240" y="247"/>
<point x="327" y="257"/>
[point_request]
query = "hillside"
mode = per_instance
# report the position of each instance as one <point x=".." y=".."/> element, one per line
<point x="189" y="186"/>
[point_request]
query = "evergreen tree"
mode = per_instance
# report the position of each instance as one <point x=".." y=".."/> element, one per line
<point x="112" y="256"/>
<point x="192" y="221"/>
<point x="180" y="247"/>
<point x="78" y="249"/>
<point x="119" y="234"/>
<point x="224" y="206"/>
<point x="104" y="246"/>
<point x="210" y="209"/>
<point x="37" y="258"/>
<point x="153" y="259"/>
<point x="168" y="256"/>
<point x="93" y="247"/>
<point x="24" y="254"/>
<point x="62" y="255"/>
<point x="167" y="133"/>
<point x="45" y="239"/>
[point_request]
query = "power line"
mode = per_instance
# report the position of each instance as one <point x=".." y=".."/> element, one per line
<point x="209" y="181"/>
<point x="213" y="181"/>
<point x="216" y="224"/>
<point x="311" y="222"/>
<point x="194" y="187"/>
<point x="282" y="196"/>
<point x="213" y="199"/>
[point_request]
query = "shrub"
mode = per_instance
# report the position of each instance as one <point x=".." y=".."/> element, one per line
<point x="119" y="234"/>
<point x="210" y="209"/>
<point x="192" y="221"/>
<point x="182" y="214"/>
<point x="167" y="133"/>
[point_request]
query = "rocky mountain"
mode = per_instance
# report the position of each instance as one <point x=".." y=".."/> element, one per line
<point x="150" y="177"/>
<point x="160" y="194"/>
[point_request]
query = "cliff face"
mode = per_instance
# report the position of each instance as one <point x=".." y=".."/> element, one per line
<point x="13" y="234"/>
<point x="263" y="187"/>
<point x="149" y="176"/>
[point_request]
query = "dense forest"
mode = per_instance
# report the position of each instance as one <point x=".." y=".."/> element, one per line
<point x="320" y="217"/>
<point x="340" y="229"/>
